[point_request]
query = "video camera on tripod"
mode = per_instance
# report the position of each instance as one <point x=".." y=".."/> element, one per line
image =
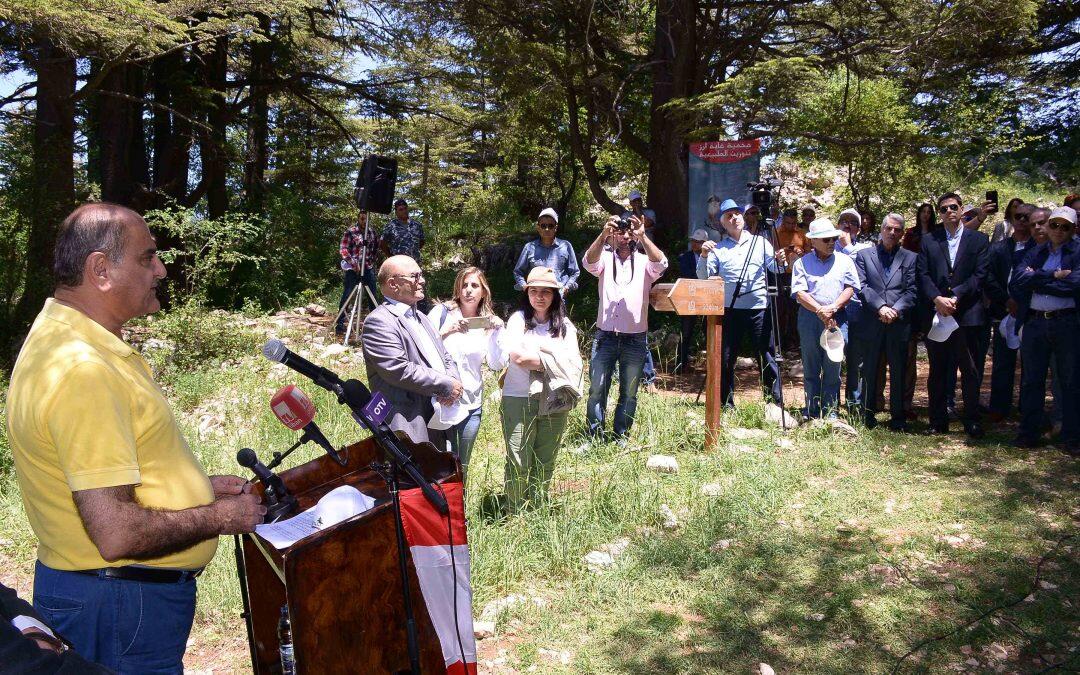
<point x="762" y="194"/>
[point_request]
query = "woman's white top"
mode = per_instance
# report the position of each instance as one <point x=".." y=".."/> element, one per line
<point x="469" y="350"/>
<point x="516" y="338"/>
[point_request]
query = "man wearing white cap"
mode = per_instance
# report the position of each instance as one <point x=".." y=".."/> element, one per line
<point x="741" y="259"/>
<point x="1047" y="288"/>
<point x="823" y="283"/>
<point x="637" y="208"/>
<point x="688" y="270"/>
<point x="548" y="251"/>
<point x="952" y="272"/>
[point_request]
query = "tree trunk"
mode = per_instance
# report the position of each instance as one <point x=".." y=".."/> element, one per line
<point x="118" y="134"/>
<point x="674" y="60"/>
<point x="213" y="148"/>
<point x="54" y="178"/>
<point x="255" y="159"/>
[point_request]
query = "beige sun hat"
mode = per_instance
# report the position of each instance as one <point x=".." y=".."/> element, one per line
<point x="542" y="277"/>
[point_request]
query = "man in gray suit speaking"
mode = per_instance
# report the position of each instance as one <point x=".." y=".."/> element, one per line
<point x="405" y="358"/>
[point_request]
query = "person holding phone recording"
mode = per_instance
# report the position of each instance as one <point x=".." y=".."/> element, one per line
<point x="470" y="332"/>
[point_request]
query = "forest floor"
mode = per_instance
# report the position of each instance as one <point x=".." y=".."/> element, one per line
<point x="818" y="551"/>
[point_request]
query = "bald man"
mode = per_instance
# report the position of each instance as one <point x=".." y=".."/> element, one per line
<point x="405" y="358"/>
<point x="125" y="515"/>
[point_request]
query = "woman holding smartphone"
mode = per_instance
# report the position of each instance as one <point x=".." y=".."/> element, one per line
<point x="470" y="332"/>
<point x="532" y="439"/>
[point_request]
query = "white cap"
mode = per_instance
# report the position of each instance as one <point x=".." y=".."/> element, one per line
<point x="700" y="234"/>
<point x="1007" y="328"/>
<point x="634" y="194"/>
<point x="832" y="341"/>
<point x="850" y="212"/>
<point x="549" y="212"/>
<point x="822" y="228"/>
<point x="942" y="328"/>
<point x="967" y="208"/>
<point x="1065" y="213"/>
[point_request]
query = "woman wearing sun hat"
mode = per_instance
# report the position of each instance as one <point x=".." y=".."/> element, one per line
<point x="538" y="332"/>
<point x="823" y="284"/>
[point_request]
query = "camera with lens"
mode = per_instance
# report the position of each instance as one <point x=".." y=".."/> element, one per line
<point x="623" y="224"/>
<point x="761" y="194"/>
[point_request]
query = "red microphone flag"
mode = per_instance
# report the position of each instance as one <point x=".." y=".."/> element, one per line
<point x="293" y="407"/>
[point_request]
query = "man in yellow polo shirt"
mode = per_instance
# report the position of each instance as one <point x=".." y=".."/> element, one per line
<point x="125" y="515"/>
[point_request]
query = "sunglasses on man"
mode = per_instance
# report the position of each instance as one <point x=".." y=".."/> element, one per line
<point x="415" y="276"/>
<point x="1060" y="225"/>
<point x="829" y="240"/>
<point x="945" y="208"/>
<point x="547" y="226"/>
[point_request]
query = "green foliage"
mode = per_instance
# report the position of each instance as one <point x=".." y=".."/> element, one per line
<point x="191" y="337"/>
<point x="15" y="171"/>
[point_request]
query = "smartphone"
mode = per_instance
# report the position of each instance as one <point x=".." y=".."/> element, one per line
<point x="478" y="322"/>
<point x="992" y="196"/>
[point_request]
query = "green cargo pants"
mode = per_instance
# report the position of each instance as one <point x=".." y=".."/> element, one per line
<point x="531" y="445"/>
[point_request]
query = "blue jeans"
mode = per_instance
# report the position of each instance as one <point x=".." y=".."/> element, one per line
<point x="462" y="436"/>
<point x="352" y="280"/>
<point x="609" y="348"/>
<point x="821" y="375"/>
<point x="128" y="626"/>
<point x="648" y="371"/>
<point x="1045" y="341"/>
<point x="855" y="357"/>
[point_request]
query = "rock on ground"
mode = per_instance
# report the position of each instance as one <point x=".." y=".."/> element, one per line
<point x="483" y="629"/>
<point x="662" y="464"/>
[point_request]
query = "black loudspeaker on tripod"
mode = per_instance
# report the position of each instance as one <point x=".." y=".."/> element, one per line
<point x="375" y="184"/>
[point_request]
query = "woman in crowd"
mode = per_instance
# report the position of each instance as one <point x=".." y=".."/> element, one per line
<point x="470" y="345"/>
<point x="1004" y="229"/>
<point x="539" y="329"/>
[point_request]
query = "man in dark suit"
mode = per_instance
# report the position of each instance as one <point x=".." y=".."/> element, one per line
<point x="28" y="645"/>
<point x="1046" y="286"/>
<point x="405" y="358"/>
<point x="1005" y="256"/>
<point x="887" y="275"/>
<point x="952" y="272"/>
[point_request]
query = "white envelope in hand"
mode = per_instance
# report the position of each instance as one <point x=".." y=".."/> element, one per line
<point x="1007" y="328"/>
<point x="942" y="328"/>
<point x="445" y="417"/>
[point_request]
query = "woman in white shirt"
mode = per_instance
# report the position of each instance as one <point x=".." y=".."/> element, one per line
<point x="532" y="441"/>
<point x="470" y="332"/>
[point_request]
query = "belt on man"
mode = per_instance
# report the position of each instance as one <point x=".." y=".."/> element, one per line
<point x="1054" y="313"/>
<point x="151" y="575"/>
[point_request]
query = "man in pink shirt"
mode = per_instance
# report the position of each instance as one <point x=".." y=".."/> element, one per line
<point x="627" y="263"/>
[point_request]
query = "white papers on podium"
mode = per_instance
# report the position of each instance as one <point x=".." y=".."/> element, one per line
<point x="339" y="504"/>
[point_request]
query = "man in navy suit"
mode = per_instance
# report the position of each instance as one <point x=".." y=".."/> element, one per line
<point x="1005" y="256"/>
<point x="952" y="273"/>
<point x="1046" y="286"/>
<point x="887" y="275"/>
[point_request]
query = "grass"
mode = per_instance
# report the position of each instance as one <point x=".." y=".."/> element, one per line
<point x="837" y="556"/>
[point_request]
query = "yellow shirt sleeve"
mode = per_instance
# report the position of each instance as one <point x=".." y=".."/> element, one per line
<point x="90" y="421"/>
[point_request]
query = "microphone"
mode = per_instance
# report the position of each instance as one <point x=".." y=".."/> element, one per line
<point x="295" y="410"/>
<point x="371" y="410"/>
<point x="276" y="351"/>
<point x="279" y="502"/>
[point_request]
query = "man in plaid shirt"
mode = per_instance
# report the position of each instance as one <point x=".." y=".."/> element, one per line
<point x="355" y="249"/>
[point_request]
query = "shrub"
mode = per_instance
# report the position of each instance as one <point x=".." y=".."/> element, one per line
<point x="191" y="337"/>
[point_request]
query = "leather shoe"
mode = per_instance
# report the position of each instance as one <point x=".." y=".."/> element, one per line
<point x="899" y="427"/>
<point x="1027" y="442"/>
<point x="974" y="430"/>
<point x="939" y="428"/>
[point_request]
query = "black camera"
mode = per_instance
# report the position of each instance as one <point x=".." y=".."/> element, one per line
<point x="761" y="194"/>
<point x="623" y="224"/>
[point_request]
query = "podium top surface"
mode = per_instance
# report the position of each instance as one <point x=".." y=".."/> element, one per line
<point x="689" y="297"/>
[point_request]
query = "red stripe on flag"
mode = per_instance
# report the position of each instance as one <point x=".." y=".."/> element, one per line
<point x="424" y="526"/>
<point x="456" y="668"/>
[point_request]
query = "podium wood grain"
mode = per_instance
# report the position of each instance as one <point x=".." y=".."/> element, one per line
<point x="342" y="585"/>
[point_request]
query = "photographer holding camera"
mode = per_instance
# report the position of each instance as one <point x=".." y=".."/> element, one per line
<point x="622" y="321"/>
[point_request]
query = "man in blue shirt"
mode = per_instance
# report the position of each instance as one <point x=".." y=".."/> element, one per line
<point x="1047" y="285"/>
<point x="823" y="283"/>
<point x="741" y="260"/>
<point x="548" y="251"/>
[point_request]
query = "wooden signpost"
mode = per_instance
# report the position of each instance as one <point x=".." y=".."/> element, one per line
<point x="700" y="297"/>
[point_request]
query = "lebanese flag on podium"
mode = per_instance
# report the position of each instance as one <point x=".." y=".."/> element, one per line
<point x="441" y="568"/>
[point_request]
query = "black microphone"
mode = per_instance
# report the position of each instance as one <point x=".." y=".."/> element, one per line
<point x="356" y="396"/>
<point x="279" y="502"/>
<point x="275" y="350"/>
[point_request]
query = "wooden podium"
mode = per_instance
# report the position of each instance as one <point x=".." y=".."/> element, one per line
<point x="700" y="297"/>
<point x="342" y="585"/>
